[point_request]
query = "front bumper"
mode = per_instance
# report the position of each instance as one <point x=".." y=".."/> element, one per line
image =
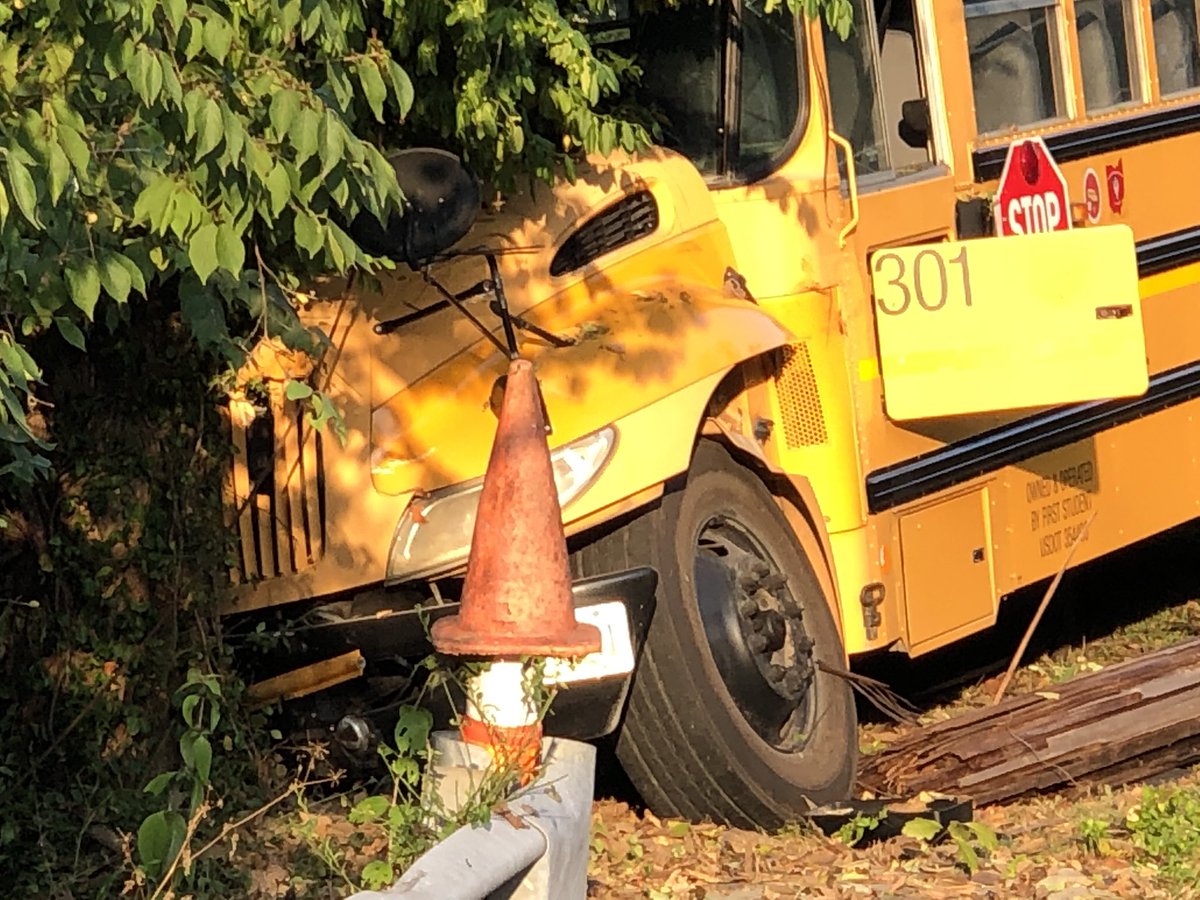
<point x="590" y="709"/>
<point x="584" y="708"/>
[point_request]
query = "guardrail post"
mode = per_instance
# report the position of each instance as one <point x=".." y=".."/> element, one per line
<point x="536" y="850"/>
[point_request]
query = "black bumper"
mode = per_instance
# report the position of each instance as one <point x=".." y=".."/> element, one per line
<point x="586" y="710"/>
<point x="582" y="710"/>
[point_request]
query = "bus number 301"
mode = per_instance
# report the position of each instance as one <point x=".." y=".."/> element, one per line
<point x="928" y="281"/>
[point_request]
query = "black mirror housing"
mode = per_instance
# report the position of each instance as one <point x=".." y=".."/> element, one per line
<point x="441" y="200"/>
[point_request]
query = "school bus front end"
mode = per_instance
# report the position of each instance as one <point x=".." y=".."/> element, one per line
<point x="623" y="293"/>
<point x="641" y="342"/>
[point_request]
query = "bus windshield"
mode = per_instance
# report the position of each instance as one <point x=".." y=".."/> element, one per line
<point x="685" y="54"/>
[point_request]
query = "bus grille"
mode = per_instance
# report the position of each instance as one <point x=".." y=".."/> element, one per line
<point x="800" y="400"/>
<point x="274" y="494"/>
<point x="622" y="223"/>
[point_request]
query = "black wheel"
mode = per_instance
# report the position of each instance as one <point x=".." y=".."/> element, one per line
<point x="729" y="717"/>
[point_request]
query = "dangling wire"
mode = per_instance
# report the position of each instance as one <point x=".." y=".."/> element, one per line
<point x="878" y="694"/>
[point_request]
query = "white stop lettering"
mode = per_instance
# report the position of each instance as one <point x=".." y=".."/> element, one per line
<point x="1034" y="213"/>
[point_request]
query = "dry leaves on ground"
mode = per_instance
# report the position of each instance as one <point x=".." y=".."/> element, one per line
<point x="1041" y="856"/>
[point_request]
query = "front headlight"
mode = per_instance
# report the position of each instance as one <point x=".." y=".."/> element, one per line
<point x="434" y="534"/>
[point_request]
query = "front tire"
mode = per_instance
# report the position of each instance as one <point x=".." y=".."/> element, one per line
<point x="730" y="717"/>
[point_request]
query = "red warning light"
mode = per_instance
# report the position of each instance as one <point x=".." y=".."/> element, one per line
<point x="1030" y="165"/>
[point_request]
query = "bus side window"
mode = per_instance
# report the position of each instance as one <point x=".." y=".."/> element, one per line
<point x="876" y="90"/>
<point x="1016" y="73"/>
<point x="769" y="102"/>
<point x="682" y="53"/>
<point x="854" y="93"/>
<point x="1176" y="46"/>
<point x="1107" y="45"/>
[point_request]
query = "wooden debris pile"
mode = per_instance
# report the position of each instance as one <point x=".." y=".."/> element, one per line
<point x="1132" y="720"/>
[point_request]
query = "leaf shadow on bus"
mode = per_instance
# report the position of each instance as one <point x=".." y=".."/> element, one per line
<point x="809" y="203"/>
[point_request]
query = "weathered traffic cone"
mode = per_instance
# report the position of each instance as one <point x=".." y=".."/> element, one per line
<point x="516" y="599"/>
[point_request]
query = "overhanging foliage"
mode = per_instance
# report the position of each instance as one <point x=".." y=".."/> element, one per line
<point x="219" y="148"/>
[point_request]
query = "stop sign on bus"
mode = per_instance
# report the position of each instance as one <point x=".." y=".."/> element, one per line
<point x="1032" y="195"/>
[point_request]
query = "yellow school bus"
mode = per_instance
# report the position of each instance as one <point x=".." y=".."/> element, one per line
<point x="789" y="363"/>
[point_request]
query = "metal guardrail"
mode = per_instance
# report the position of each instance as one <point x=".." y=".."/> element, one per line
<point x="541" y="854"/>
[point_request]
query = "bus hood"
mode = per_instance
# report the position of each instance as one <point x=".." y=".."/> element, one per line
<point x="650" y="314"/>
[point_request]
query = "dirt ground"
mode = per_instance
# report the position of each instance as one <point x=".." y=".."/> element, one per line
<point x="1040" y="852"/>
<point x="1138" y="841"/>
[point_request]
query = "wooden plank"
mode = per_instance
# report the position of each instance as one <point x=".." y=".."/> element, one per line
<point x="307" y="680"/>
<point x="287" y="444"/>
<point x="242" y="501"/>
<point x="280" y="526"/>
<point x="312" y="503"/>
<point x="266" y="535"/>
<point x="229" y="503"/>
<point x="303" y="552"/>
<point x="1109" y="721"/>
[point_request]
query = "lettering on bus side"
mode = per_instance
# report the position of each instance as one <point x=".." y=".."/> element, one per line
<point x="1058" y="504"/>
<point x="934" y="281"/>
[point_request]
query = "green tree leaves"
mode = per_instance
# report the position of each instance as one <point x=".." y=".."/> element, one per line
<point x="202" y="251"/>
<point x="159" y="840"/>
<point x="83" y="281"/>
<point x="372" y="86"/>
<point x="231" y="252"/>
<point x="514" y="83"/>
<point x="218" y="36"/>
<point x="23" y="190"/>
<point x="203" y="312"/>
<point x="115" y="276"/>
<point x="284" y="107"/>
<point x="210" y="127"/>
<point x="309" y="234"/>
<point x="155" y="143"/>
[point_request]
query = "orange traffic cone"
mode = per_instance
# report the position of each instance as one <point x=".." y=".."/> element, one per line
<point x="516" y="599"/>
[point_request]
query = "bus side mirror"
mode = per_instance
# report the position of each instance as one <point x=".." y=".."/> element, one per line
<point x="915" y="124"/>
<point x="441" y="200"/>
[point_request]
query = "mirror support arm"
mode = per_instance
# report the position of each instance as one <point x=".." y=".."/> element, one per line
<point x="387" y="326"/>
<point x="451" y="298"/>
<point x="510" y="336"/>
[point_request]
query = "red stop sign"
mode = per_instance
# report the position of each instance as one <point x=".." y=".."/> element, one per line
<point x="1032" y="195"/>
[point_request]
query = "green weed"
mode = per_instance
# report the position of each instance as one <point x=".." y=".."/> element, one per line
<point x="858" y="828"/>
<point x="972" y="840"/>
<point x="1094" y="835"/>
<point x="1165" y="828"/>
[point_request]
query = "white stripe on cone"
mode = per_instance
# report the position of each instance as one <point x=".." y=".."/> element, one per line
<point x="498" y="696"/>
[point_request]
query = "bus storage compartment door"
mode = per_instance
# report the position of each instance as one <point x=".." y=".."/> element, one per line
<point x="949" y="585"/>
<point x="1008" y="323"/>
